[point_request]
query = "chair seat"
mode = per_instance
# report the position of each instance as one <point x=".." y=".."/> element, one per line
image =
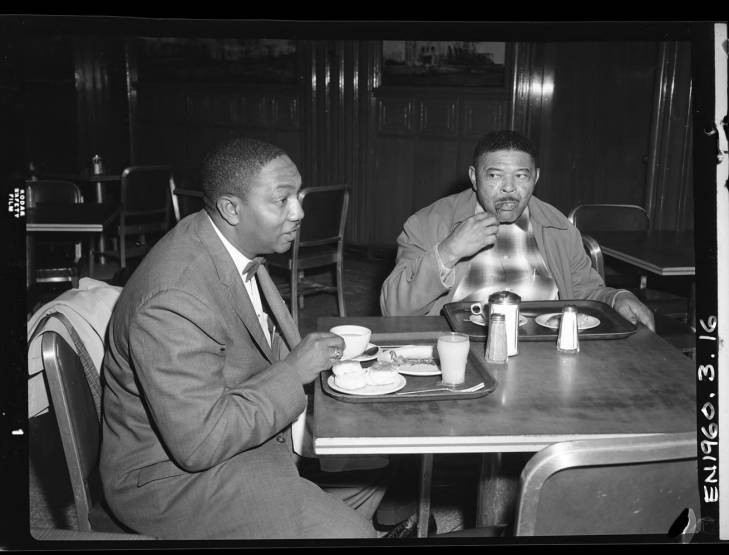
<point x="102" y="521"/>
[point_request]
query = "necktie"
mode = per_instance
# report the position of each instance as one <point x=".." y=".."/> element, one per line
<point x="300" y="434"/>
<point x="252" y="267"/>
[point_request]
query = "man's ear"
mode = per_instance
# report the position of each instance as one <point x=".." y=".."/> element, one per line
<point x="537" y="177"/>
<point x="228" y="206"/>
<point x="472" y="176"/>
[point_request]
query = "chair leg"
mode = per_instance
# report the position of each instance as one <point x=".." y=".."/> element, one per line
<point x="295" y="294"/>
<point x="91" y="256"/>
<point x="122" y="252"/>
<point x="301" y="295"/>
<point x="340" y="289"/>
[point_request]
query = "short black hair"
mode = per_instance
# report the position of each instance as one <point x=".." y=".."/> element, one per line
<point x="230" y="165"/>
<point x="504" y="140"/>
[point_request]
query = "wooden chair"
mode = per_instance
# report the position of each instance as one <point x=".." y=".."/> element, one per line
<point x="145" y="211"/>
<point x="318" y="243"/>
<point x="185" y="191"/>
<point x="79" y="427"/>
<point x="616" y="486"/>
<point x="55" y="259"/>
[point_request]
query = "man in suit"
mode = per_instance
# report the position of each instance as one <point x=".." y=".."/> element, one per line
<point x="200" y="389"/>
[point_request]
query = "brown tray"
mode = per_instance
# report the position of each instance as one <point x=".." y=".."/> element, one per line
<point x="612" y="325"/>
<point x="475" y="372"/>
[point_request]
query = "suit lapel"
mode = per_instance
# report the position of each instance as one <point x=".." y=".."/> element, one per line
<point x="228" y="274"/>
<point x="280" y="313"/>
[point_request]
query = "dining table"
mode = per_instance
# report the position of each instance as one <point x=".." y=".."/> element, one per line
<point x="634" y="385"/>
<point x="84" y="218"/>
<point x="662" y="253"/>
<point x="101" y="183"/>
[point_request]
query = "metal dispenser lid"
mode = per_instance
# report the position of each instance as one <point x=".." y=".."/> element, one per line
<point x="504" y="297"/>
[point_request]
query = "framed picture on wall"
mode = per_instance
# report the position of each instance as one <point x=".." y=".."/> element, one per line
<point x="443" y="63"/>
<point x="257" y="61"/>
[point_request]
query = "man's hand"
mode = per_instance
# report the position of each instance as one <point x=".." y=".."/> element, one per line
<point x="316" y="352"/>
<point x="630" y="308"/>
<point x="468" y="237"/>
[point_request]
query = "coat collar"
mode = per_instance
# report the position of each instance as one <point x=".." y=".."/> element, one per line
<point x="228" y="275"/>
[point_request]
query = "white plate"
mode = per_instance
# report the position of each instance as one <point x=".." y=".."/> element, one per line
<point x="420" y="369"/>
<point x="589" y="322"/>
<point x="369" y="389"/>
<point x="365" y="358"/>
<point x="479" y="321"/>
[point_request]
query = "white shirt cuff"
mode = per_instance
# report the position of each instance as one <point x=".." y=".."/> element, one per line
<point x="447" y="275"/>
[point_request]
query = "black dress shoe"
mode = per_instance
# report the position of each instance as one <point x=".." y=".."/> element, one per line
<point x="408" y="528"/>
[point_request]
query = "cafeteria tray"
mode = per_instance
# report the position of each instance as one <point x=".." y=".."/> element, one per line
<point x="612" y="325"/>
<point x="475" y="372"/>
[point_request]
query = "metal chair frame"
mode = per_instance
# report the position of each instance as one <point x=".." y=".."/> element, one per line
<point x="570" y="455"/>
<point x="297" y="260"/>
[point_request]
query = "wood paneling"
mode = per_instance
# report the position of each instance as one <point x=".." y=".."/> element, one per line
<point x="669" y="184"/>
<point x="594" y="123"/>
<point x="436" y="132"/>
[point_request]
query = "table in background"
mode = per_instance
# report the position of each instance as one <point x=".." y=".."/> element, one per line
<point x="664" y="253"/>
<point x="611" y="388"/>
<point x="90" y="218"/>
<point x="101" y="181"/>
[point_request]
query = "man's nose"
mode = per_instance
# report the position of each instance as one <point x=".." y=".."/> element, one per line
<point x="297" y="211"/>
<point x="508" y="183"/>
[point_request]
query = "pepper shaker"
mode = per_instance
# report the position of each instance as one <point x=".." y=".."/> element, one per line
<point x="496" y="347"/>
<point x="97" y="166"/>
<point x="507" y="303"/>
<point x="568" y="341"/>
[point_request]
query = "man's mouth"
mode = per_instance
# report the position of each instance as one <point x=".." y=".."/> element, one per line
<point x="507" y="205"/>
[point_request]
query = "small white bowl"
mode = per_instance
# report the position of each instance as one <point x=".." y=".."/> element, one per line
<point x="356" y="339"/>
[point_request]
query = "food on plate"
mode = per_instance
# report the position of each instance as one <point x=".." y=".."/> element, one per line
<point x="382" y="373"/>
<point x="351" y="380"/>
<point x="583" y="320"/>
<point x="347" y="367"/>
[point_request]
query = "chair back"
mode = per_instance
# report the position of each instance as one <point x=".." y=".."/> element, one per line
<point x="186" y="192"/>
<point x="52" y="192"/>
<point x="325" y="216"/>
<point x="145" y="199"/>
<point x="77" y="420"/>
<point x="609" y="217"/>
<point x="638" y="485"/>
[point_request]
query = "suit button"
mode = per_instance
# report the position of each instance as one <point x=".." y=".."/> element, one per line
<point x="281" y="439"/>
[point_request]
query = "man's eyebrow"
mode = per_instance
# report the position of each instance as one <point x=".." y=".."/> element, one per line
<point x="491" y="168"/>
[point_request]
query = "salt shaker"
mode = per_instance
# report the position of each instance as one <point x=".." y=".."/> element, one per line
<point x="496" y="348"/>
<point x="96" y="165"/>
<point x="507" y="303"/>
<point x="568" y="340"/>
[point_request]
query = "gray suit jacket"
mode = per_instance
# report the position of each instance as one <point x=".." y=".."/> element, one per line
<point x="197" y="407"/>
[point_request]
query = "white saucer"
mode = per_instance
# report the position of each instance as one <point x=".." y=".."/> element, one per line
<point x="479" y="321"/>
<point x="397" y="385"/>
<point x="364" y="358"/>
<point x="589" y="322"/>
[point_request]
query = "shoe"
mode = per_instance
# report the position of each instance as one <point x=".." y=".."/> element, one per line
<point x="408" y="528"/>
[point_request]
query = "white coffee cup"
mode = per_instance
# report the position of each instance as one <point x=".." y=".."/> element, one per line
<point x="356" y="339"/>
<point x="453" y="353"/>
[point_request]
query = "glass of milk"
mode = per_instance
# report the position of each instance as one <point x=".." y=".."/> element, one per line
<point x="453" y="352"/>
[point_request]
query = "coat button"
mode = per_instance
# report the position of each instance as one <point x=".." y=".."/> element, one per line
<point x="281" y="439"/>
